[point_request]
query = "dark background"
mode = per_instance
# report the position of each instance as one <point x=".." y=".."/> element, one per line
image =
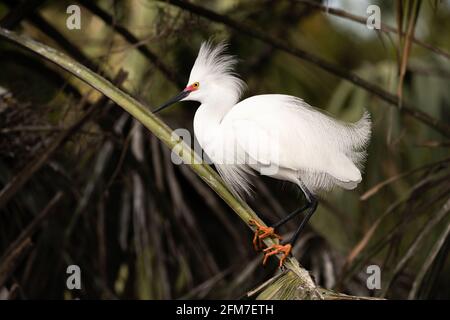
<point x="87" y="185"/>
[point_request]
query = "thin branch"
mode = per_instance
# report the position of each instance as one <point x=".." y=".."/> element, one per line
<point x="405" y="46"/>
<point x="47" y="129"/>
<point x="10" y="263"/>
<point x="376" y="188"/>
<point x="429" y="261"/>
<point x="438" y="217"/>
<point x="18" y="12"/>
<point x="417" y="191"/>
<point x="32" y="65"/>
<point x="409" y="110"/>
<point x="33" y="226"/>
<point x="19" y="180"/>
<point x="363" y="20"/>
<point x="132" y="39"/>
<point x="39" y="22"/>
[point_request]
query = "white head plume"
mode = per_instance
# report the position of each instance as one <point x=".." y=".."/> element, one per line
<point x="214" y="68"/>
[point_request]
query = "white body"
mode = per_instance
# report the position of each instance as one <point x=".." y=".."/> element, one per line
<point x="276" y="135"/>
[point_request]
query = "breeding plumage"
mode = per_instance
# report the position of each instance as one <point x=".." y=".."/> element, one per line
<point x="275" y="135"/>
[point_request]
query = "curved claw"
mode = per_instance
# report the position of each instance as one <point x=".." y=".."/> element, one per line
<point x="276" y="249"/>
<point x="262" y="232"/>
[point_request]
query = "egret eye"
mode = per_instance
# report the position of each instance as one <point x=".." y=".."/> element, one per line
<point x="196" y="85"/>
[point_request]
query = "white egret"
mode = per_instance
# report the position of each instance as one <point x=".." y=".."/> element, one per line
<point x="275" y="135"/>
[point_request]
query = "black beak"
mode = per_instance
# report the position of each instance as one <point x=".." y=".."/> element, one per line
<point x="178" y="97"/>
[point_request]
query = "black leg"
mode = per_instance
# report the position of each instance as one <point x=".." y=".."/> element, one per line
<point x="311" y="208"/>
<point x="309" y="204"/>
<point x="286" y="247"/>
<point x="291" y="215"/>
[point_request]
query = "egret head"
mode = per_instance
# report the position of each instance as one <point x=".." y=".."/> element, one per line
<point x="212" y="78"/>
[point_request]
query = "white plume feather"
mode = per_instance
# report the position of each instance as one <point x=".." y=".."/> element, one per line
<point x="214" y="66"/>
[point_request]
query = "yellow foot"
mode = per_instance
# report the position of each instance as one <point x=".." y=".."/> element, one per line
<point x="262" y="232"/>
<point x="276" y="249"/>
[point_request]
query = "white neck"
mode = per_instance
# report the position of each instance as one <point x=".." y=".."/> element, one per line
<point x="207" y="120"/>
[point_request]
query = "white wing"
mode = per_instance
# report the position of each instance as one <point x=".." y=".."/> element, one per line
<point x="283" y="131"/>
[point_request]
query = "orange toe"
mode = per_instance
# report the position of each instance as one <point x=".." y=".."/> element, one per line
<point x="276" y="249"/>
<point x="262" y="232"/>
